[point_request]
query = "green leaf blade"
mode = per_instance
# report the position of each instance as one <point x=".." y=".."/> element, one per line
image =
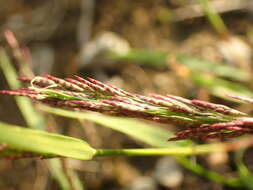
<point x="45" y="143"/>
<point x="147" y="133"/>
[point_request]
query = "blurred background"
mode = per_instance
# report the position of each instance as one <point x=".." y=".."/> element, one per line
<point x="191" y="48"/>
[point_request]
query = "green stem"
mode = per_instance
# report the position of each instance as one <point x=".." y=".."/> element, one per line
<point x="197" y="169"/>
<point x="244" y="174"/>
<point x="214" y="18"/>
<point x="200" y="149"/>
<point x="233" y="182"/>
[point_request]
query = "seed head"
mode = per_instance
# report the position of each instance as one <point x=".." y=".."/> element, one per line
<point x="200" y="119"/>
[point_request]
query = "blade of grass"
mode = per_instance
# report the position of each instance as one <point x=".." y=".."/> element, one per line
<point x="44" y="143"/>
<point x="134" y="128"/>
<point x="33" y="119"/>
<point x="218" y="69"/>
<point x="245" y="176"/>
<point x="213" y="176"/>
<point x="214" y="18"/>
<point x="220" y="87"/>
<point x="56" y="169"/>
<point x="140" y="56"/>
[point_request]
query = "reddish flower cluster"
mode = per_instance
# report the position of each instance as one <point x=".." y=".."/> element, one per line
<point x="240" y="126"/>
<point x="202" y="119"/>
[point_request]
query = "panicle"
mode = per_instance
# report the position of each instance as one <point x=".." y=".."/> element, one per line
<point x="202" y="120"/>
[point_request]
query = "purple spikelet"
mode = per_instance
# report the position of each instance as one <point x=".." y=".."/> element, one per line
<point x="31" y="94"/>
<point x="177" y="106"/>
<point x="217" y="107"/>
<point x="25" y="79"/>
<point x="63" y="83"/>
<point x="241" y="98"/>
<point x="94" y="87"/>
<point x="180" y="99"/>
<point x="80" y="84"/>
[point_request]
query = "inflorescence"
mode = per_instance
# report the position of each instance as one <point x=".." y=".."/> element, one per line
<point x="202" y="120"/>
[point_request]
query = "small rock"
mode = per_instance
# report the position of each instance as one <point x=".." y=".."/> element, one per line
<point x="143" y="183"/>
<point x="236" y="51"/>
<point x="168" y="173"/>
<point x="103" y="44"/>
